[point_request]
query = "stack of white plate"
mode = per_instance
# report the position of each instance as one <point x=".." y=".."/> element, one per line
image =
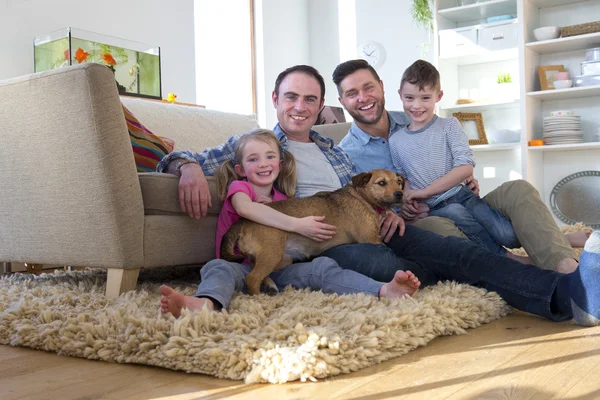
<point x="562" y="130"/>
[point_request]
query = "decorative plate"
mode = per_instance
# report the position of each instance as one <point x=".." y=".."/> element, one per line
<point x="576" y="198"/>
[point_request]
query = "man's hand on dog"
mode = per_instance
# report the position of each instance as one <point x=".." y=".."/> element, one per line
<point x="194" y="195"/>
<point x="313" y="228"/>
<point x="389" y="224"/>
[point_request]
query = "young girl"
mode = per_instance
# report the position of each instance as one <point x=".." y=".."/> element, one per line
<point x="262" y="172"/>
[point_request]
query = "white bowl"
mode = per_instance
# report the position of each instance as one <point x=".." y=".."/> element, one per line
<point x="562" y="113"/>
<point x="563" y="84"/>
<point x="546" y="32"/>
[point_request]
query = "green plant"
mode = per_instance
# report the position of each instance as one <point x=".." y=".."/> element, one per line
<point x="504" y="78"/>
<point x="422" y="14"/>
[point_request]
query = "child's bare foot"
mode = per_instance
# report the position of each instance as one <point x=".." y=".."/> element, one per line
<point x="173" y="302"/>
<point x="578" y="238"/>
<point x="404" y="283"/>
<point x="521" y="259"/>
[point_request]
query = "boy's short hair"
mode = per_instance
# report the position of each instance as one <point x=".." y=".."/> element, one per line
<point x="350" y="67"/>
<point x="421" y="74"/>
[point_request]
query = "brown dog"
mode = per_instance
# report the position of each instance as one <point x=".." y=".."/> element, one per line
<point x="355" y="210"/>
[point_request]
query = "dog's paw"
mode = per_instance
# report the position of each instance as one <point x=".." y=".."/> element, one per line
<point x="269" y="287"/>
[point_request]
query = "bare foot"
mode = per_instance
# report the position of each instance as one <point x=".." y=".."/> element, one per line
<point x="173" y="302"/>
<point x="567" y="265"/>
<point x="521" y="259"/>
<point x="578" y="238"/>
<point x="403" y="284"/>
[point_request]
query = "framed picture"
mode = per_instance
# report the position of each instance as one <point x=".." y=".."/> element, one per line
<point x="331" y="115"/>
<point x="548" y="75"/>
<point x="473" y="126"/>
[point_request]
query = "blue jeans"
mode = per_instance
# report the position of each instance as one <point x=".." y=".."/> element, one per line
<point x="433" y="258"/>
<point x="481" y="223"/>
<point x="221" y="278"/>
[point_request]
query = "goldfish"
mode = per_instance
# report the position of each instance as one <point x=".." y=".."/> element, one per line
<point x="67" y="54"/>
<point x="81" y="55"/>
<point x="108" y="59"/>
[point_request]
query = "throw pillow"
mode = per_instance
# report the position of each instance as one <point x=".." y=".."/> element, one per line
<point x="148" y="148"/>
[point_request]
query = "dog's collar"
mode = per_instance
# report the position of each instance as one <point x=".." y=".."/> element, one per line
<point x="379" y="210"/>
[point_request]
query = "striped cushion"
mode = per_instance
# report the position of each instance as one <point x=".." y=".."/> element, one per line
<point x="148" y="148"/>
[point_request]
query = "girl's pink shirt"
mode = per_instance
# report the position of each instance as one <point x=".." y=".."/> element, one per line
<point x="228" y="215"/>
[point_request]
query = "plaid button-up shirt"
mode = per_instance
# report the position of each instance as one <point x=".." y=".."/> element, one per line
<point x="210" y="159"/>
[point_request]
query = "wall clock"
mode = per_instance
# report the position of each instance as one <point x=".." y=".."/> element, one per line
<point x="373" y="53"/>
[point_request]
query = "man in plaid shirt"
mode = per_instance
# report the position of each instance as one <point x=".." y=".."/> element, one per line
<point x="298" y="96"/>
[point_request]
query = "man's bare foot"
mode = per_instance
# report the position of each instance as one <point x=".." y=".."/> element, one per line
<point x="567" y="265"/>
<point x="521" y="259"/>
<point x="578" y="238"/>
<point x="173" y="302"/>
<point x="404" y="283"/>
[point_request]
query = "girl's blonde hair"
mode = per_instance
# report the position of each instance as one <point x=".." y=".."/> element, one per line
<point x="285" y="182"/>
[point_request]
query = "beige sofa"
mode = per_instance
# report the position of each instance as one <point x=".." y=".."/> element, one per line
<point x="70" y="193"/>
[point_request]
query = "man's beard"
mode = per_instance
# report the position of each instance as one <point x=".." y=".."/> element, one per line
<point x="358" y="118"/>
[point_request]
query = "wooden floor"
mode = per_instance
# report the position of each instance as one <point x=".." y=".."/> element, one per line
<point x="519" y="357"/>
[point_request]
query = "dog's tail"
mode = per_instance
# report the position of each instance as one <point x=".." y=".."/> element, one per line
<point x="228" y="244"/>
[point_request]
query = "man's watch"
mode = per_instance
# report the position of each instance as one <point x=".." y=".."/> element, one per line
<point x="181" y="163"/>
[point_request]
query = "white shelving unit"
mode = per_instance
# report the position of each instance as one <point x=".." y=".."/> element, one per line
<point x="563" y="94"/>
<point x="566" y="147"/>
<point x="477" y="66"/>
<point x="561" y="45"/>
<point x="474" y="107"/>
<point x="543" y="166"/>
<point x="479" y="11"/>
<point x="496" y="147"/>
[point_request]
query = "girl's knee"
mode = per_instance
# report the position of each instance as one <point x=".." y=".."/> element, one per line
<point x="221" y="266"/>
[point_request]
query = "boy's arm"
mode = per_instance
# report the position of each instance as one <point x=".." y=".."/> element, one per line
<point x="462" y="161"/>
<point x="311" y="227"/>
<point x="454" y="177"/>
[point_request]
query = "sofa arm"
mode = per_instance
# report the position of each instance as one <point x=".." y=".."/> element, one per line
<point x="70" y="193"/>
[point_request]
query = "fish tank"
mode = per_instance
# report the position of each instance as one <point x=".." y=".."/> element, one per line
<point x="136" y="66"/>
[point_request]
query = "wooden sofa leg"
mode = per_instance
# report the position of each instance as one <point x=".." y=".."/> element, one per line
<point x="120" y="281"/>
<point x="35" y="269"/>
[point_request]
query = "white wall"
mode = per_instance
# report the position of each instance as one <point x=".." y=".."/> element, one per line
<point x="325" y="43"/>
<point x="155" y="22"/>
<point x="389" y="22"/>
<point x="284" y="42"/>
<point x="307" y="32"/>
<point x="223" y="55"/>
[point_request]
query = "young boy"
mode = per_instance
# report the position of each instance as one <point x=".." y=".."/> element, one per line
<point x="433" y="154"/>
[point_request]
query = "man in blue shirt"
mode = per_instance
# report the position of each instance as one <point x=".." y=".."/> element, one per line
<point x="361" y="92"/>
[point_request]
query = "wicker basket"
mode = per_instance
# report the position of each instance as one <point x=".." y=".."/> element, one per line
<point x="581" y="29"/>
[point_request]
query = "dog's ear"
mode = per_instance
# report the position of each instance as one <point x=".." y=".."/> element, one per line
<point x="402" y="180"/>
<point x="361" y="179"/>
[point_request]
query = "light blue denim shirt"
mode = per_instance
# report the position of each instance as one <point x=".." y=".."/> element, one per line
<point x="370" y="152"/>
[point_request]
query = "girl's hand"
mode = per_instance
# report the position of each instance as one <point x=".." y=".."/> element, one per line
<point x="313" y="228"/>
<point x="262" y="199"/>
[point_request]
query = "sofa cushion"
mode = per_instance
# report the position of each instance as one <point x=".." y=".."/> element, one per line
<point x="192" y="128"/>
<point x="161" y="194"/>
<point x="333" y="131"/>
<point x="148" y="148"/>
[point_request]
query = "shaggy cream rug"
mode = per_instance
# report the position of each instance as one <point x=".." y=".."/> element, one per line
<point x="295" y="335"/>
